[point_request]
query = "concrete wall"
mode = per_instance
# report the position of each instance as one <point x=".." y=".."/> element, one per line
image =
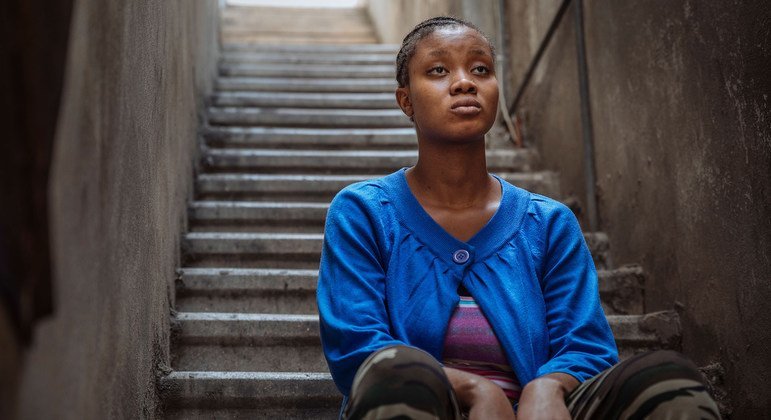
<point x="680" y="103"/>
<point x="393" y="19"/>
<point x="122" y="172"/>
<point x="550" y="108"/>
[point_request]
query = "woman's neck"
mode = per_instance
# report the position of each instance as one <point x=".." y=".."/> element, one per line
<point x="451" y="175"/>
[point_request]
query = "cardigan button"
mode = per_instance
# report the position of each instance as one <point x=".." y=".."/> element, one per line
<point x="460" y="256"/>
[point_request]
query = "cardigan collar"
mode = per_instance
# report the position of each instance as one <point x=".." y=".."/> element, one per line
<point x="495" y="233"/>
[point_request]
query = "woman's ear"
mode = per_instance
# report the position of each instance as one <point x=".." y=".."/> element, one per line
<point x="403" y="99"/>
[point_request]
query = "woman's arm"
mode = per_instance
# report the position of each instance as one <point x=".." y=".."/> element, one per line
<point x="581" y="343"/>
<point x="580" y="340"/>
<point x="544" y="397"/>
<point x="480" y="396"/>
<point x="354" y="321"/>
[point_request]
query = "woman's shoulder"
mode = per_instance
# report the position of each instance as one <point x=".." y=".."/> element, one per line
<point x="547" y="207"/>
<point x="539" y="208"/>
<point x="367" y="195"/>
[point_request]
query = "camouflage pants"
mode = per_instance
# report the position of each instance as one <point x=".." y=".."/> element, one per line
<point x="407" y="383"/>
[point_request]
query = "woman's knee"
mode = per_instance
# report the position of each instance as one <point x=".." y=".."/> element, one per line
<point x="400" y="380"/>
<point x="400" y="362"/>
<point x="667" y="359"/>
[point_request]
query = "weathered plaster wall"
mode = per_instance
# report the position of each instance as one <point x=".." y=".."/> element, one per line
<point x="680" y="103"/>
<point x="393" y="19"/>
<point x="122" y="172"/>
<point x="550" y="107"/>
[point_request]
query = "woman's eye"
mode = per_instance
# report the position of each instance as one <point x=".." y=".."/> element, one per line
<point x="480" y="70"/>
<point x="437" y="70"/>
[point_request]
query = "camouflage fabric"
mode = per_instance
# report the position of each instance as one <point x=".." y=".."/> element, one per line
<point x="403" y="382"/>
<point x="654" y="385"/>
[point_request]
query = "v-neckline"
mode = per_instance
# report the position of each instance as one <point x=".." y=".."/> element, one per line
<point x="432" y="234"/>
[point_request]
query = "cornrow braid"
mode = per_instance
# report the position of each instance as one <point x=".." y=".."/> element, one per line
<point x="420" y="31"/>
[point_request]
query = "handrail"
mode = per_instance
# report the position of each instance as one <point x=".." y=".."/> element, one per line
<point x="583" y="90"/>
<point x="587" y="131"/>
<point x="538" y="54"/>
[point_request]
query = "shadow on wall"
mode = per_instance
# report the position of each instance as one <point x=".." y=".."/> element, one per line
<point x="681" y="110"/>
<point x="120" y="152"/>
<point x="34" y="39"/>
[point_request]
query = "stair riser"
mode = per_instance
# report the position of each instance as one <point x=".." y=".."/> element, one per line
<point x="250" y="261"/>
<point x="287" y="303"/>
<point x="308" y="246"/>
<point x="306" y="71"/>
<point x="250" y="358"/>
<point x="295" y="347"/>
<point x="238" y="58"/>
<point x="622" y="291"/>
<point x="242" y="390"/>
<point x="284" y="138"/>
<point x="251" y="213"/>
<point x="294" y="358"/>
<point x="307" y="85"/>
<point x="268" y="294"/>
<point x="298" y="38"/>
<point x="389" y="50"/>
<point x="309" y="100"/>
<point x="283" y="303"/>
<point x="245" y="160"/>
<point x="308" y="118"/>
<point x="324" y="188"/>
<point x="194" y="256"/>
<point x="287" y="413"/>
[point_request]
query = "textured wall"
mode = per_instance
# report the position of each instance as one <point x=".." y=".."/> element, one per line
<point x="680" y="103"/>
<point x="394" y="18"/>
<point x="550" y="108"/>
<point x="122" y="172"/>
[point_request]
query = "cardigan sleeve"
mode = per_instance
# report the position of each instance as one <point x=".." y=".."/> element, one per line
<point x="353" y="318"/>
<point x="580" y="340"/>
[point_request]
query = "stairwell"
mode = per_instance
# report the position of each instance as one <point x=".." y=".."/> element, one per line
<point x="301" y="111"/>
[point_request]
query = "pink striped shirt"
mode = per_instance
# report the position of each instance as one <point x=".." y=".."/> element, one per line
<point x="471" y="346"/>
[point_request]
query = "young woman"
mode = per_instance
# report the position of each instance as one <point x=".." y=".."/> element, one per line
<point x="445" y="291"/>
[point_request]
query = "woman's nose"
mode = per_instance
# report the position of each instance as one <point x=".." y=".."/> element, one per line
<point x="463" y="85"/>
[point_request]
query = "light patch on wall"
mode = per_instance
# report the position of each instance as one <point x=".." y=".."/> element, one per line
<point x="299" y="3"/>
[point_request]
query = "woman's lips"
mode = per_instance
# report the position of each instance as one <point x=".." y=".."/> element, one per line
<point x="467" y="106"/>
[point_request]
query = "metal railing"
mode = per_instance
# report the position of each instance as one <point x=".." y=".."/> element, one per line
<point x="587" y="132"/>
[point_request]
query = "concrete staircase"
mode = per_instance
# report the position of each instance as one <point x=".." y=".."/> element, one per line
<point x="289" y="126"/>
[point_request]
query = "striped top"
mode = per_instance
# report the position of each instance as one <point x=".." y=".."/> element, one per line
<point x="471" y="346"/>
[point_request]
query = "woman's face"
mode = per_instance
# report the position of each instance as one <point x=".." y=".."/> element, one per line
<point x="452" y="93"/>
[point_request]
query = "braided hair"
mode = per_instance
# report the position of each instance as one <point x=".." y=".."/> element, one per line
<point x="420" y="31"/>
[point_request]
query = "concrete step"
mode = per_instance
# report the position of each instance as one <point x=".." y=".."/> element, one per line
<point x="302" y="50"/>
<point x="254" y="394"/>
<point x="305" y="100"/>
<point x="273" y="291"/>
<point x="285" y="413"/>
<point x="291" y="58"/>
<point x="302" y="117"/>
<point x="307" y="71"/>
<point x="279" y="342"/>
<point x="346" y="161"/>
<point x="212" y="341"/>
<point x="284" y="214"/>
<point x="287" y="25"/>
<point x="323" y="187"/>
<point x="308" y="37"/>
<point x="264" y="17"/>
<point x="317" y="138"/>
<point x="285" y="84"/>
<point x="303" y="246"/>
<point x="623" y="290"/>
<point x="279" y="291"/>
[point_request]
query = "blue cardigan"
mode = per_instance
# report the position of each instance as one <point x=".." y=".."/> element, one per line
<point x="388" y="276"/>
